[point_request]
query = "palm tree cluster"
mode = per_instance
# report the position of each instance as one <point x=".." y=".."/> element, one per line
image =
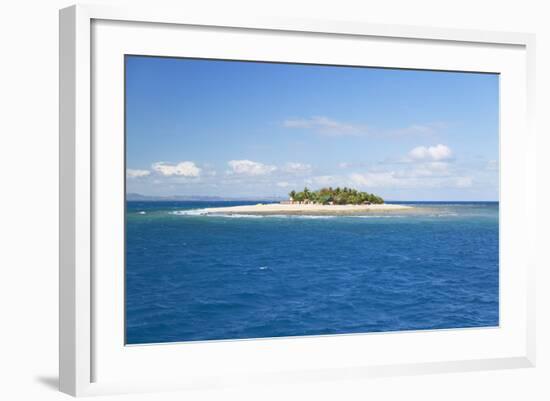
<point x="335" y="196"/>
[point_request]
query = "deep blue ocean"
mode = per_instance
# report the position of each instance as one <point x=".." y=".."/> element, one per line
<point x="191" y="277"/>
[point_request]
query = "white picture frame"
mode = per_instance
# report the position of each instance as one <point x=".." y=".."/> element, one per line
<point x="92" y="38"/>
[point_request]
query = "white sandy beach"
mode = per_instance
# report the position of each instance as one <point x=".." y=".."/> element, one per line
<point x="308" y="209"/>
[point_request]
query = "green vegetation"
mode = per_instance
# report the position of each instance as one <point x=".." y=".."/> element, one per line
<point x="335" y="196"/>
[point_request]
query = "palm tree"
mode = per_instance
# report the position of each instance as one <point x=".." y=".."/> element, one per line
<point x="345" y="196"/>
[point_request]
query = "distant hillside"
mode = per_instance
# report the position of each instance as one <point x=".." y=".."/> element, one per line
<point x="148" y="198"/>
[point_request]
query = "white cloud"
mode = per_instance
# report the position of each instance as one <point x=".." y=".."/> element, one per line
<point x="422" y="177"/>
<point x="248" y="167"/>
<point x="492" y="165"/>
<point x="330" y="127"/>
<point x="424" y="167"/>
<point x="435" y="153"/>
<point x="348" y="165"/>
<point x="326" y="126"/>
<point x="428" y="129"/>
<point x="184" y="169"/>
<point x="133" y="173"/>
<point x="441" y="167"/>
<point x="374" y="179"/>
<point x="463" y="182"/>
<point x="428" y="169"/>
<point x="325" y="180"/>
<point x="283" y="184"/>
<point x="296" y="168"/>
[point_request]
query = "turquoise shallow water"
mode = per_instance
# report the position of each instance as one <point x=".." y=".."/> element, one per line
<point x="191" y="277"/>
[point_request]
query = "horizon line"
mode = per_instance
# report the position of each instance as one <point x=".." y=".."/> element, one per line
<point x="273" y="197"/>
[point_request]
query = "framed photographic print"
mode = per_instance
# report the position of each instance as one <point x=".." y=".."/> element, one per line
<point x="250" y="210"/>
<point x="278" y="200"/>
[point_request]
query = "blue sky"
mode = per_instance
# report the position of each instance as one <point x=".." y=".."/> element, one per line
<point x="245" y="129"/>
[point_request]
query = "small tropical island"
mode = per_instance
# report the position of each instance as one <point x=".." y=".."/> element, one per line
<point x="325" y="201"/>
<point x="336" y="196"/>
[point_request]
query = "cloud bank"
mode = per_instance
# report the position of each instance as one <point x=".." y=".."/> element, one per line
<point x="421" y="168"/>
<point x="296" y="168"/>
<point x="333" y="128"/>
<point x="250" y="168"/>
<point x="326" y="126"/>
<point x="436" y="153"/>
<point x="135" y="173"/>
<point x="182" y="169"/>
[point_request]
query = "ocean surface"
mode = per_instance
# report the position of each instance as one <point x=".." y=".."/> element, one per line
<point x="191" y="277"/>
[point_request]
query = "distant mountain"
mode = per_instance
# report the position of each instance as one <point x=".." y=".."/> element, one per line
<point x="140" y="197"/>
<point x="148" y="198"/>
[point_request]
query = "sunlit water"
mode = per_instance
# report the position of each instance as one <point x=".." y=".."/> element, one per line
<point x="194" y="277"/>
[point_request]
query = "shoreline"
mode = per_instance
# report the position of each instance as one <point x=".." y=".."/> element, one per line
<point x="266" y="209"/>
